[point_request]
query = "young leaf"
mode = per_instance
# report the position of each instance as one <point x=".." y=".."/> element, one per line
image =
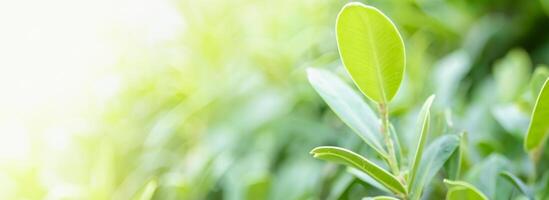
<point x="348" y="105"/>
<point x="379" y="198"/>
<point x="518" y="184"/>
<point x="459" y="190"/>
<point x="436" y="155"/>
<point x="371" y="49"/>
<point x="349" y="158"/>
<point x="539" y="127"/>
<point x="423" y="122"/>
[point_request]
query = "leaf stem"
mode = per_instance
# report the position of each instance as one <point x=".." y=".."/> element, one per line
<point x="391" y="160"/>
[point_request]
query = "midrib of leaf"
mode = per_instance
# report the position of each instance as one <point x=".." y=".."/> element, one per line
<point x="373" y="45"/>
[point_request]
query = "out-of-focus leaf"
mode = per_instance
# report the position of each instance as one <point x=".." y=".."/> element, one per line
<point x="511" y="118"/>
<point x="512" y="74"/>
<point x="397" y="146"/>
<point x="538" y="78"/>
<point x="349" y="158"/>
<point x="259" y="189"/>
<point x="379" y="198"/>
<point x="518" y="184"/>
<point x="436" y="155"/>
<point x="455" y="161"/>
<point x="545" y="4"/>
<point x="348" y="105"/>
<point x="423" y="129"/>
<point x="539" y="125"/>
<point x="372" y="50"/>
<point x="459" y="190"/>
<point x="449" y="71"/>
<point x="341" y="185"/>
<point x="147" y="192"/>
<point x="484" y="175"/>
<point x="366" y="178"/>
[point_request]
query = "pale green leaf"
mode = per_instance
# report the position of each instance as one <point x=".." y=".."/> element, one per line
<point x="349" y="158"/>
<point x="436" y="155"/>
<point x="484" y="175"/>
<point x="518" y="184"/>
<point x="459" y="190"/>
<point x="423" y="128"/>
<point x="512" y="73"/>
<point x="539" y="125"/>
<point x="371" y="49"/>
<point x="379" y="198"/>
<point x="366" y="178"/>
<point x="348" y="105"/>
<point x="538" y="78"/>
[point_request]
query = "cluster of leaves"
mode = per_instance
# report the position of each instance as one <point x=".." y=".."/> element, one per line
<point x="373" y="54"/>
<point x="224" y="110"/>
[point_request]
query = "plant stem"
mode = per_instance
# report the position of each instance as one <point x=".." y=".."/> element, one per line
<point x="384" y="114"/>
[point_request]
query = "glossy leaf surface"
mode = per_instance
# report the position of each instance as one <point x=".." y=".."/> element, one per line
<point x="371" y="49"/>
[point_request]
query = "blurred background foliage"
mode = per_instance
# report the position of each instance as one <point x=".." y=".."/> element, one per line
<point x="221" y="108"/>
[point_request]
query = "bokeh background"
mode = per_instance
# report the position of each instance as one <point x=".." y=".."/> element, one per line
<point x="209" y="99"/>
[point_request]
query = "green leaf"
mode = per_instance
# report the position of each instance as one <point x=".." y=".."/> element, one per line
<point x="147" y="192"/>
<point x="372" y="50"/>
<point x="436" y="155"/>
<point x="367" y="179"/>
<point x="379" y="198"/>
<point x="455" y="161"/>
<point x="518" y="184"/>
<point x="423" y="128"/>
<point x="349" y="106"/>
<point x="538" y="78"/>
<point x="539" y="127"/>
<point x="484" y="175"/>
<point x="459" y="190"/>
<point x="512" y="73"/>
<point x="349" y="158"/>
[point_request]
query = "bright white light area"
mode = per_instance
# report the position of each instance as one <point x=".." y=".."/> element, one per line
<point x="58" y="57"/>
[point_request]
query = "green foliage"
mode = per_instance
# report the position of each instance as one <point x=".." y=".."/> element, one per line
<point x="349" y="106"/>
<point x="380" y="198"/>
<point x="423" y="123"/>
<point x="349" y="158"/>
<point x="372" y="50"/>
<point x="518" y="184"/>
<point x="539" y="128"/>
<point x="458" y="190"/>
<point x="223" y="108"/>
<point x="436" y="155"/>
<point x="147" y="192"/>
<point x="538" y="78"/>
